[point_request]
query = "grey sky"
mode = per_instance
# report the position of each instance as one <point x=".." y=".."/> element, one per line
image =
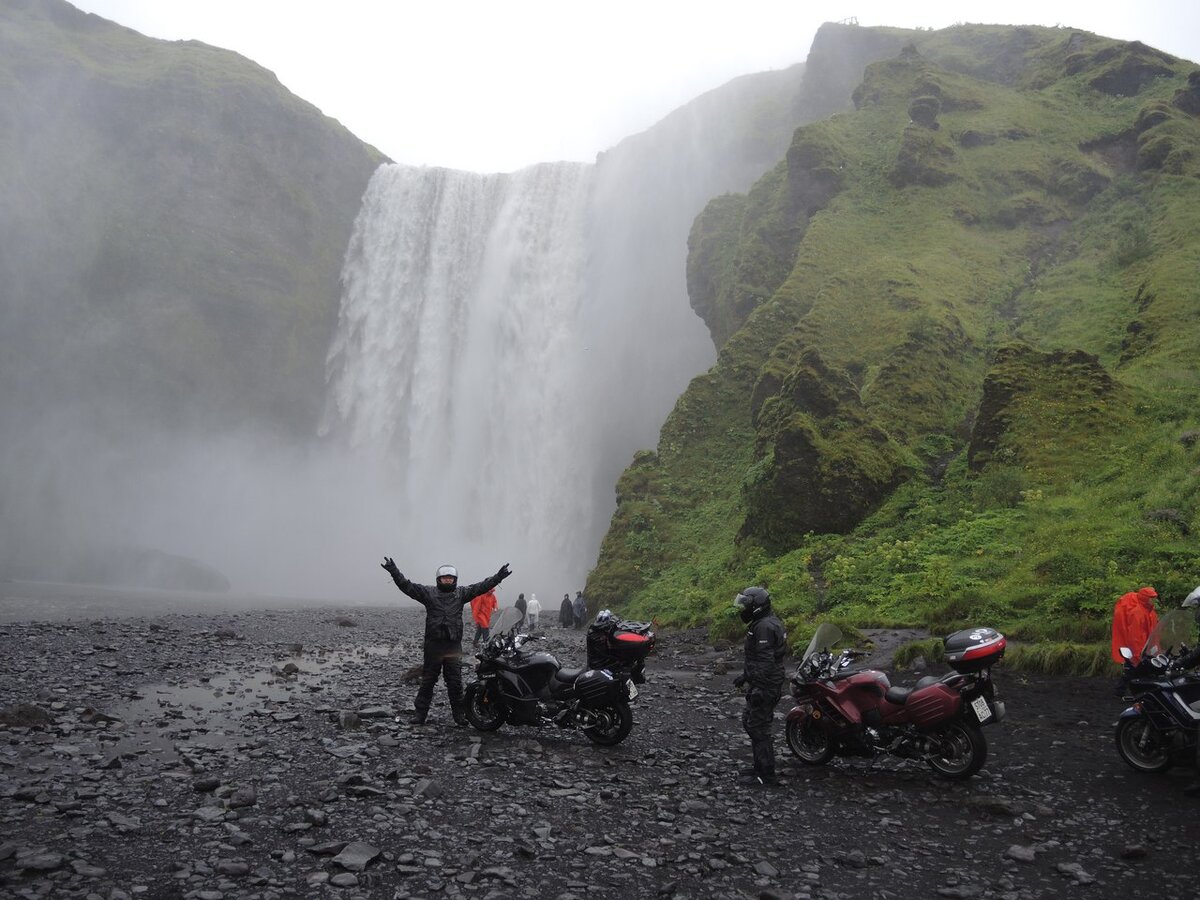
<point x="487" y="86"/>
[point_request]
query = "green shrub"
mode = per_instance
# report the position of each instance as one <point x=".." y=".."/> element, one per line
<point x="932" y="649"/>
<point x="1062" y="658"/>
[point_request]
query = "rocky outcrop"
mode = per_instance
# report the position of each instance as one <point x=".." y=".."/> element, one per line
<point x="1019" y="376"/>
<point x="827" y="463"/>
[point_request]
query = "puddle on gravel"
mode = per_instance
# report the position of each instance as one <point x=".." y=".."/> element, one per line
<point x="170" y="717"/>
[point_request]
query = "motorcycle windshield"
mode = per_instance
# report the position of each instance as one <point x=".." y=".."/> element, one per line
<point x="1174" y="630"/>
<point x="509" y="619"/>
<point x="826" y="636"/>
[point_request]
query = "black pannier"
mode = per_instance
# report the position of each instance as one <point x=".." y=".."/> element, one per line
<point x="596" y="688"/>
<point x="614" y="643"/>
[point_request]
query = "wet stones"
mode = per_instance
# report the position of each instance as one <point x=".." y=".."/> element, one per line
<point x="25" y="715"/>
<point x="356" y="856"/>
<point x="658" y="810"/>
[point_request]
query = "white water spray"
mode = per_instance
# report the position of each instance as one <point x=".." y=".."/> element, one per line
<point x="457" y="360"/>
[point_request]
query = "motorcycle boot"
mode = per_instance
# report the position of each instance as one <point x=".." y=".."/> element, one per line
<point x="459" y="714"/>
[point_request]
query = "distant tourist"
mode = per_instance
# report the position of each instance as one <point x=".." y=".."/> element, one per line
<point x="443" y="632"/>
<point x="566" y="612"/>
<point x="482" y="608"/>
<point x="532" y="611"/>
<point x="579" y="608"/>
<point x="521" y="606"/>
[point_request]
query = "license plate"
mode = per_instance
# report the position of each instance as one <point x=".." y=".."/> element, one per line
<point x="632" y="689"/>
<point x="982" y="711"/>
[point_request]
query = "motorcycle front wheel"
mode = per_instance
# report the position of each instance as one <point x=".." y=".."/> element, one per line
<point x="959" y="750"/>
<point x="809" y="742"/>
<point x="485" y="709"/>
<point x="615" y="723"/>
<point x="1140" y="745"/>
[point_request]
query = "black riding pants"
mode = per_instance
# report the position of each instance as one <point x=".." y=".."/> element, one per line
<point x="441" y="658"/>
<point x="756" y="719"/>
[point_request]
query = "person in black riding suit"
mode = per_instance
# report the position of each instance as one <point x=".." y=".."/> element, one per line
<point x="443" y="632"/>
<point x="766" y="646"/>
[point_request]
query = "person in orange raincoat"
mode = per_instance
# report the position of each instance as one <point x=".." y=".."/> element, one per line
<point x="1133" y="620"/>
<point x="482" y="608"/>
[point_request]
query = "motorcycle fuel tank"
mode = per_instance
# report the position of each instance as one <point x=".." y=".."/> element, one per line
<point x="858" y="694"/>
<point x="537" y="669"/>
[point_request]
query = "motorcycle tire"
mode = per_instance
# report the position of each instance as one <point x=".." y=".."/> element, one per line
<point x="809" y="742"/>
<point x="961" y="751"/>
<point x="1139" y="744"/>
<point x="485" y="712"/>
<point x="616" y="721"/>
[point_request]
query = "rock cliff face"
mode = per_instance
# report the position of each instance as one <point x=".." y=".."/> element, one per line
<point x="172" y="224"/>
<point x="944" y="318"/>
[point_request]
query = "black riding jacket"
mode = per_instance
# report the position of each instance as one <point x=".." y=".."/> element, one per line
<point x="444" y="609"/>
<point x="766" y="646"/>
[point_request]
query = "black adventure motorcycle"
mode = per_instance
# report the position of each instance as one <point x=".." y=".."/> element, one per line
<point x="520" y="687"/>
<point x="1161" y="727"/>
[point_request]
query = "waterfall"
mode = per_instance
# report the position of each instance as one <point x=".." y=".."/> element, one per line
<point x="457" y="361"/>
<point x="507" y="342"/>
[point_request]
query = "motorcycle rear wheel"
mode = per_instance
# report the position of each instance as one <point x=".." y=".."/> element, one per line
<point x="961" y="750"/>
<point x="809" y="742"/>
<point x="485" y="711"/>
<point x="616" y="721"/>
<point x="1139" y="745"/>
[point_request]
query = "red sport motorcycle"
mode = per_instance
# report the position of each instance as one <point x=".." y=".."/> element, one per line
<point x="840" y="712"/>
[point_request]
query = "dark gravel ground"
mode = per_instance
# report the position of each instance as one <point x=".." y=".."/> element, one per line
<point x="186" y="759"/>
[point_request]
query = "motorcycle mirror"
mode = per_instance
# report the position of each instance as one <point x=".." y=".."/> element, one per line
<point x="1126" y="653"/>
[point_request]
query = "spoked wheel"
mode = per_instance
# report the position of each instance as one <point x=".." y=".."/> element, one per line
<point x="958" y="750"/>
<point x="485" y="709"/>
<point x="613" y="725"/>
<point x="809" y="742"/>
<point x="1141" y="746"/>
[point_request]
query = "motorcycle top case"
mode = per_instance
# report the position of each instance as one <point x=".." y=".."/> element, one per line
<point x="617" y="647"/>
<point x="974" y="649"/>
<point x="596" y="687"/>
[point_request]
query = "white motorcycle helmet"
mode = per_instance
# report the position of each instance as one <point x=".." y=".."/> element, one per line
<point x="447" y="572"/>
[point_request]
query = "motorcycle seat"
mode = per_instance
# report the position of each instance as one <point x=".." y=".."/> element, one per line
<point x="899" y="695"/>
<point x="567" y="676"/>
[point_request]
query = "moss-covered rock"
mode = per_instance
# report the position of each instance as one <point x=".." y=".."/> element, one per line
<point x="1025" y="394"/>
<point x="820" y="477"/>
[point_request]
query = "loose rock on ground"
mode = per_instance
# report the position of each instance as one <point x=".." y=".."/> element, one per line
<point x="263" y="755"/>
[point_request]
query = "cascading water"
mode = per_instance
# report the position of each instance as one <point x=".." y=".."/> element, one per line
<point x="457" y="362"/>
<point x="506" y="342"/>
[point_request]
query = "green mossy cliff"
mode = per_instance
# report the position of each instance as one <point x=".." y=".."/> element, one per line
<point x="172" y="226"/>
<point x="957" y="331"/>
